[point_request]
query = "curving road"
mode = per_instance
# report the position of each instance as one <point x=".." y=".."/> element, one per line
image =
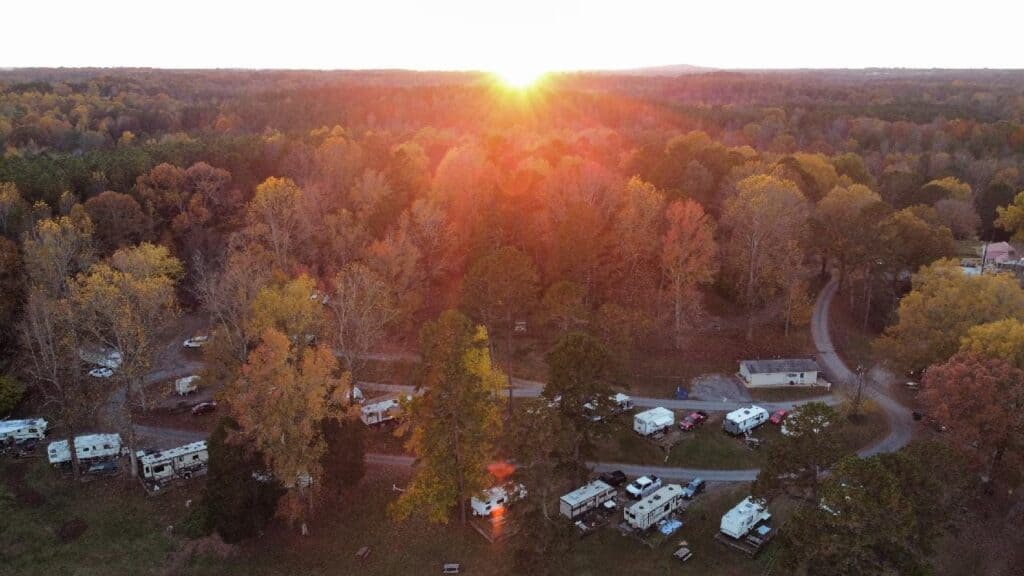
<point x="899" y="417"/>
<point x="901" y="424"/>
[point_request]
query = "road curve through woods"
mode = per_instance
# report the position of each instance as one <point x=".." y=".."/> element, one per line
<point x="901" y="424"/>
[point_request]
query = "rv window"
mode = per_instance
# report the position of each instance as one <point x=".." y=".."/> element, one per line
<point x="106" y="446"/>
<point x="158" y="469"/>
<point x="195" y="456"/>
<point x="86" y="449"/>
<point x="147" y="469"/>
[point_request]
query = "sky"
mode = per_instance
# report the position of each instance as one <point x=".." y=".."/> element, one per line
<point x="512" y="34"/>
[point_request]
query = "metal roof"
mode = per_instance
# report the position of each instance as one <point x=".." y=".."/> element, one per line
<point x="586" y="492"/>
<point x="781" y="365"/>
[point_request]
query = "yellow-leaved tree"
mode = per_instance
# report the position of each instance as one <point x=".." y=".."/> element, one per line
<point x="280" y="401"/>
<point x="454" y="423"/>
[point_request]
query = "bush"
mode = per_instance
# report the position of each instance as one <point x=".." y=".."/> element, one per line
<point x="197" y="524"/>
<point x="11" y="393"/>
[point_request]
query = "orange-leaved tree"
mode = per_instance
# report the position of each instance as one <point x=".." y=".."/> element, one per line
<point x="280" y="401"/>
<point x="982" y="401"/>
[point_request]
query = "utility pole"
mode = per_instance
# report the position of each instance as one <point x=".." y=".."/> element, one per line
<point x="860" y="386"/>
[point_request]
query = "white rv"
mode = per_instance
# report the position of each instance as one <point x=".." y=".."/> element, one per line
<point x="585" y="499"/>
<point x="744" y="420"/>
<point x="656" y="507"/>
<point x="18" y="431"/>
<point x="380" y="411"/>
<point x="187" y="385"/>
<point x="90" y="448"/>
<point x="159" y="468"/>
<point x="652" y="421"/>
<point x="746" y="515"/>
<point x="495" y="498"/>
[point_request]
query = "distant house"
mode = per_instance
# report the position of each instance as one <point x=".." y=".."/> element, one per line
<point x="999" y="252"/>
<point x="787" y="372"/>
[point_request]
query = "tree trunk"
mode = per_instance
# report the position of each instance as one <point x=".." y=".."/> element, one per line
<point x="129" y="396"/>
<point x="508" y="363"/>
<point x="76" y="469"/>
<point x="867" y="298"/>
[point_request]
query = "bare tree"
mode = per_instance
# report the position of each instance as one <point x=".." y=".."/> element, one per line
<point x="50" y="344"/>
<point x="362" y="308"/>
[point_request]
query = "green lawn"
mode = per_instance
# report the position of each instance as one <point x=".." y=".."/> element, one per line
<point x="124" y="534"/>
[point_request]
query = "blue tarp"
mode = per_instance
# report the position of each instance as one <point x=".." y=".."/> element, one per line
<point x="667" y="527"/>
<point x="681" y="393"/>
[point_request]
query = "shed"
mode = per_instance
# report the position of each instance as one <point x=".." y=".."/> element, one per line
<point x="784" y="372"/>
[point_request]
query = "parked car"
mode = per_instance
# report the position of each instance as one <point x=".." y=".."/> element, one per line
<point x="101" y="372"/>
<point x="695" y="487"/>
<point x="195" y="342"/>
<point x="643" y="486"/>
<point x="692" y="420"/>
<point x="687" y="424"/>
<point x="911" y="385"/>
<point x="204" y="408"/>
<point x="778" y="417"/>
<point x="614" y="478"/>
<point x="107" y="468"/>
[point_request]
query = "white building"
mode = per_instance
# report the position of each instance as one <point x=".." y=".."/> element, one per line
<point x="652" y="421"/>
<point x="585" y="499"/>
<point x="739" y="521"/>
<point x="787" y="372"/>
<point x="654" y="508"/>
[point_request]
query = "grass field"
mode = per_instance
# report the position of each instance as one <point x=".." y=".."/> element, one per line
<point x="124" y="530"/>
<point x="413" y="547"/>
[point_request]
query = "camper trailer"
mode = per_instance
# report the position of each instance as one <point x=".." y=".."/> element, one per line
<point x="652" y="421"/>
<point x="187" y="385"/>
<point x="585" y="499"/>
<point x="743" y="518"/>
<point x="19" y="431"/>
<point x="90" y="448"/>
<point x="655" y="508"/>
<point x="159" y="468"/>
<point x="380" y="411"/>
<point x="495" y="498"/>
<point x="744" y="420"/>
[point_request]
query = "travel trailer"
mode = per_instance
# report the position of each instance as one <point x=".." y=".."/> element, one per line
<point x="653" y="421"/>
<point x="744" y="420"/>
<point x="89" y="447"/>
<point x="495" y="498"/>
<point x="187" y="385"/>
<point x="655" y="508"/>
<point x="18" y="431"/>
<point x="743" y="518"/>
<point x="585" y="499"/>
<point x="380" y="411"/>
<point x="159" y="468"/>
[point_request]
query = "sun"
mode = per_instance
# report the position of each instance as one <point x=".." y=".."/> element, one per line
<point x="520" y="76"/>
